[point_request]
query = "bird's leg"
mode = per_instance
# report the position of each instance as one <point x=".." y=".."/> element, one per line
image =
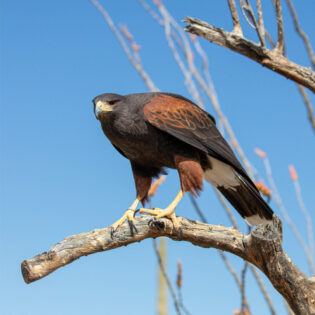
<point x="128" y="215"/>
<point x="168" y="212"/>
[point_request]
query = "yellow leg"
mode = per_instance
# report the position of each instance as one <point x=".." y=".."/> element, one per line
<point x="128" y="215"/>
<point x="167" y="212"/>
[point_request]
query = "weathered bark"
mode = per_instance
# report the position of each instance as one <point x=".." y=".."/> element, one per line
<point x="262" y="248"/>
<point x="271" y="59"/>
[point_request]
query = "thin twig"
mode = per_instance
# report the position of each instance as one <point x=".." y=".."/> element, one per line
<point x="261" y="28"/>
<point x="245" y="12"/>
<point x="301" y="33"/>
<point x="188" y="78"/>
<point x="236" y="21"/>
<point x="161" y="22"/>
<point x="227" y="209"/>
<point x="181" y="303"/>
<point x="308" y="105"/>
<point x="263" y="289"/>
<point x="308" y="223"/>
<point x="280" y="43"/>
<point x="197" y="208"/>
<point x="221" y="253"/>
<point x="162" y="268"/>
<point x="136" y="65"/>
<point x="252" y="268"/>
<point x="269" y="38"/>
<point x="278" y="200"/>
<point x="179" y="283"/>
<point x="243" y="274"/>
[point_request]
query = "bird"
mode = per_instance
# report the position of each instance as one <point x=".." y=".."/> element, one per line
<point x="159" y="130"/>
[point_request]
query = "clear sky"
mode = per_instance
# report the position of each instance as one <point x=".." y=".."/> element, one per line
<point x="60" y="175"/>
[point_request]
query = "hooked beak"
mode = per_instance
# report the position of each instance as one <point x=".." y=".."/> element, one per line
<point x="101" y="107"/>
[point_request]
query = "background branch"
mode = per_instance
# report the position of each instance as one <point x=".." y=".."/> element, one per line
<point x="301" y="33"/>
<point x="270" y="59"/>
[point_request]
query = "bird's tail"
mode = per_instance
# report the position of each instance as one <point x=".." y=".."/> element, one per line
<point x="246" y="199"/>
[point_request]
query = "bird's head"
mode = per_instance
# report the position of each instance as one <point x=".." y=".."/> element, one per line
<point x="105" y="103"/>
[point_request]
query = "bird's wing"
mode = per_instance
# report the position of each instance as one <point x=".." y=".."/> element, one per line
<point x="186" y="121"/>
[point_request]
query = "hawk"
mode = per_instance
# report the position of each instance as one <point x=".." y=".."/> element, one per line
<point x="164" y="130"/>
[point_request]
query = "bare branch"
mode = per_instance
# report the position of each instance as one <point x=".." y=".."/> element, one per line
<point x="262" y="248"/>
<point x="243" y="304"/>
<point x="221" y="253"/>
<point x="179" y="283"/>
<point x="280" y="43"/>
<point x="245" y="12"/>
<point x="227" y="209"/>
<point x="236" y="278"/>
<point x="227" y="263"/>
<point x="168" y="20"/>
<point x="263" y="289"/>
<point x="308" y="105"/>
<point x="134" y="62"/>
<point x="162" y="269"/>
<point x="269" y="38"/>
<point x="252" y="268"/>
<point x="236" y="21"/>
<point x="306" y="215"/>
<point x="301" y="33"/>
<point x="260" y="25"/>
<point x="265" y="57"/>
<point x="276" y="197"/>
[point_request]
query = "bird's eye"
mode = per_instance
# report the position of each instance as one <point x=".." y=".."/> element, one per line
<point x="112" y="102"/>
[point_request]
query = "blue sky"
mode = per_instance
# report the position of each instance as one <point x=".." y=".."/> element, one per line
<point x="60" y="176"/>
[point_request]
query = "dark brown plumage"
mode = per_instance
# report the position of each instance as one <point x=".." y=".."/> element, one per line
<point x="158" y="130"/>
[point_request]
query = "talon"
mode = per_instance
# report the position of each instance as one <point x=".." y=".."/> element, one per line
<point x="128" y="215"/>
<point x="132" y="227"/>
<point x="180" y="236"/>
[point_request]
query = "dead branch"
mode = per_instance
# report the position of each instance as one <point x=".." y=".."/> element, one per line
<point x="166" y="278"/>
<point x="301" y="33"/>
<point x="308" y="105"/>
<point x="145" y="77"/>
<point x="280" y="44"/>
<point x="236" y="21"/>
<point x="262" y="247"/>
<point x="267" y="58"/>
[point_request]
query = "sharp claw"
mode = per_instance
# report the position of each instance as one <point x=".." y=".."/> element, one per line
<point x="135" y="228"/>
<point x="132" y="227"/>
<point x="180" y="236"/>
<point x="134" y="214"/>
<point x="112" y="230"/>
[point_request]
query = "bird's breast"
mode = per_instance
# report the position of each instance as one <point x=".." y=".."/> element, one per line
<point x="139" y="142"/>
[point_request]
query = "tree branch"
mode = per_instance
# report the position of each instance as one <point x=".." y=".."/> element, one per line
<point x="267" y="58"/>
<point x="262" y="247"/>
<point x="280" y="44"/>
<point x="236" y="21"/>
<point x="301" y="33"/>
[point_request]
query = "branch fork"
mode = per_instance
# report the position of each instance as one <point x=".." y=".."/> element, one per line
<point x="272" y="59"/>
